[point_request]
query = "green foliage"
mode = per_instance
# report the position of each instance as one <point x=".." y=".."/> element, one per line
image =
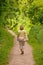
<point x="36" y="13"/>
<point x="8" y="9"/>
<point x="40" y="36"/>
<point x="6" y="43"/>
<point x="36" y="40"/>
<point x="13" y="13"/>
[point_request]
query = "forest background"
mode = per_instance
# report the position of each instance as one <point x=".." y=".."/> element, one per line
<point x="13" y="13"/>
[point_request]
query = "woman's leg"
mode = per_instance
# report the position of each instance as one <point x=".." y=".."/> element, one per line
<point x="21" y="47"/>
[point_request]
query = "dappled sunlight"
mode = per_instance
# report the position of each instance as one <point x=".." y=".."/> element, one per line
<point x="28" y="13"/>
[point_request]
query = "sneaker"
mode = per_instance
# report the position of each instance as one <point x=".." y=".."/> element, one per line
<point x="22" y="52"/>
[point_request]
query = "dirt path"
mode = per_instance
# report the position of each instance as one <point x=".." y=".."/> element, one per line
<point x="16" y="58"/>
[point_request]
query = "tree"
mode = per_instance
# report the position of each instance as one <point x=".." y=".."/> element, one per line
<point x="36" y="13"/>
<point x="8" y="9"/>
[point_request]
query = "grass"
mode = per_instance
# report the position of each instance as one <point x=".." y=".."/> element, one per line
<point x="6" y="43"/>
<point x="36" y="40"/>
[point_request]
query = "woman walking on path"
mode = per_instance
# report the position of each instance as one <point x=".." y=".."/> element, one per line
<point x="22" y="38"/>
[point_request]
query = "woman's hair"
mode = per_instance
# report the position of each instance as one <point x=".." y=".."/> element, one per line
<point x="21" y="27"/>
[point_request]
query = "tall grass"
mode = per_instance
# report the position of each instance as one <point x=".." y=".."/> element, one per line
<point x="6" y="43"/>
<point x="36" y="40"/>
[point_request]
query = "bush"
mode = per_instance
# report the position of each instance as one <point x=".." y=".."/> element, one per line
<point x="6" y="43"/>
<point x="36" y="40"/>
<point x="36" y="13"/>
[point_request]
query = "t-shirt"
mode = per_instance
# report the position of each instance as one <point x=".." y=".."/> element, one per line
<point x="22" y="34"/>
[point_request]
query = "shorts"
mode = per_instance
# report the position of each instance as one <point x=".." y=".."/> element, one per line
<point x="21" y="43"/>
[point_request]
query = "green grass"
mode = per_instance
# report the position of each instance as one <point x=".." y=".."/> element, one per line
<point x="6" y="43"/>
<point x="36" y="40"/>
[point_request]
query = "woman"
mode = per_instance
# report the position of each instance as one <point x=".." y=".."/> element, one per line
<point x="22" y="38"/>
